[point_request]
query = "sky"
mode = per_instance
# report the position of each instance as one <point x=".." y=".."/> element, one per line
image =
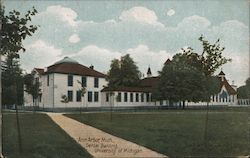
<point x="95" y="32"/>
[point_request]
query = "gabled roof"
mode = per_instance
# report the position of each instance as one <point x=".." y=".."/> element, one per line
<point x="221" y="73"/>
<point x="39" y="70"/>
<point x="228" y="87"/>
<point x="66" y="67"/>
<point x="168" y="61"/>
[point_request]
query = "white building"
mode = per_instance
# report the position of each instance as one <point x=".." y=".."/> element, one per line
<point x="67" y="77"/>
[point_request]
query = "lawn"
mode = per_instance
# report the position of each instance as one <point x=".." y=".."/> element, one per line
<point x="41" y="138"/>
<point x="179" y="133"/>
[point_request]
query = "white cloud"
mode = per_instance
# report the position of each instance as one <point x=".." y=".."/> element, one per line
<point x="194" y="22"/>
<point x="62" y="13"/>
<point x="94" y="55"/>
<point x="74" y="38"/>
<point x="39" y="54"/>
<point x="144" y="57"/>
<point x="171" y="12"/>
<point x="140" y="14"/>
<point x="238" y="68"/>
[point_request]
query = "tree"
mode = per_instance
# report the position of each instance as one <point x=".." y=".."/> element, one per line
<point x="83" y="92"/>
<point x="211" y="56"/>
<point x="123" y="72"/>
<point x="248" y="87"/>
<point x="181" y="81"/>
<point x="190" y="76"/>
<point x="242" y="92"/>
<point x="32" y="87"/>
<point x="130" y="75"/>
<point x="12" y="82"/>
<point x="64" y="99"/>
<point x="13" y="30"/>
<point x="114" y="76"/>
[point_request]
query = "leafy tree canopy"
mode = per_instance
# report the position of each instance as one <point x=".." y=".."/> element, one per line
<point x="15" y="28"/>
<point x="12" y="82"/>
<point x="189" y="76"/>
<point x="244" y="91"/>
<point x="32" y="85"/>
<point x="123" y="72"/>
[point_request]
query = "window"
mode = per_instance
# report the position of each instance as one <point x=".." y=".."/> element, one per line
<point x="89" y="96"/>
<point x="84" y="81"/>
<point x="96" y="96"/>
<point x="161" y="102"/>
<point x="142" y="97"/>
<point x="40" y="98"/>
<point x="48" y="80"/>
<point x="131" y="97"/>
<point x="147" y="97"/>
<point x="96" y="82"/>
<point x="125" y="97"/>
<point x="70" y="80"/>
<point x="119" y="97"/>
<point x="70" y="96"/>
<point x="78" y="96"/>
<point x="137" y="97"/>
<point x="107" y="97"/>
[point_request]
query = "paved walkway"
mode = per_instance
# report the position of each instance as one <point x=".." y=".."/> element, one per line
<point x="101" y="144"/>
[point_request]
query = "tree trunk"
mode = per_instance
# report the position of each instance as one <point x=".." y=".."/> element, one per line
<point x="33" y="99"/>
<point x="1" y="115"/>
<point x="183" y="104"/>
<point x="18" y="130"/>
<point x="206" y="130"/>
<point x="17" y="119"/>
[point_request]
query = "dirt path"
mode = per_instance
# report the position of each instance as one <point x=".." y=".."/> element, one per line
<point x="101" y="144"/>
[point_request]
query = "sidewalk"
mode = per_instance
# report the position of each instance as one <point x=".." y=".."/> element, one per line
<point x="101" y="144"/>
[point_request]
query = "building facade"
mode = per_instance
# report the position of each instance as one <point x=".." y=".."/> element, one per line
<point x="68" y="78"/>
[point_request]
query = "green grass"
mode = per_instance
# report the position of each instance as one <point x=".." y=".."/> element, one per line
<point x="178" y="133"/>
<point x="41" y="138"/>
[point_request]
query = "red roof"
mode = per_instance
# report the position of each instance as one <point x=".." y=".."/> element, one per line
<point x="149" y="82"/>
<point x="126" y="89"/>
<point x="146" y="85"/>
<point x="168" y="61"/>
<point x="40" y="71"/>
<point x="228" y="87"/>
<point x="73" y="68"/>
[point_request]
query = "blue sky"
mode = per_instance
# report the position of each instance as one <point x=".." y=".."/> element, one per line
<point x="95" y="32"/>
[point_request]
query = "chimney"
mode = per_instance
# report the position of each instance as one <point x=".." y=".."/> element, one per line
<point x="91" y="67"/>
